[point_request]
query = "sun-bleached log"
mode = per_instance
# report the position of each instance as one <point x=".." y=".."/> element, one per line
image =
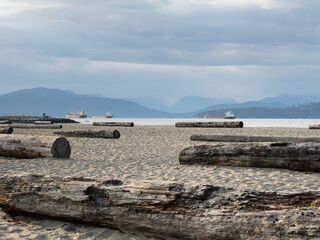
<point x="244" y="138"/>
<point x="293" y="156"/>
<point x="35" y="126"/>
<point x="114" y="124"/>
<point x="90" y="133"/>
<point x="27" y="146"/>
<point x="7" y="130"/>
<point x="314" y="126"/>
<point x="226" y="124"/>
<point x="5" y="122"/>
<point x="166" y="210"/>
<point x="42" y="122"/>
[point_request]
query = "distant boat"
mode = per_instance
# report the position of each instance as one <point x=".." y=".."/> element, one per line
<point x="108" y="115"/>
<point x="81" y="114"/>
<point x="228" y="115"/>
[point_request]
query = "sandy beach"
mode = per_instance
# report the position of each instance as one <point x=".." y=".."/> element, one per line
<point x="143" y="153"/>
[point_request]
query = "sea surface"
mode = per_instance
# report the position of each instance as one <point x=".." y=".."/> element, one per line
<point x="248" y="122"/>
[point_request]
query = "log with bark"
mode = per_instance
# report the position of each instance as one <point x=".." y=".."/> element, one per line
<point x="26" y="146"/>
<point x="314" y="126"/>
<point x="166" y="210"/>
<point x="7" y="130"/>
<point x="42" y="122"/>
<point x="90" y="133"/>
<point x="293" y="156"/>
<point x="35" y="126"/>
<point x="233" y="124"/>
<point x="244" y="138"/>
<point x="114" y="124"/>
<point x="5" y="122"/>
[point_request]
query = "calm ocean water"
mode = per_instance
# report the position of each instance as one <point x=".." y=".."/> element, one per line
<point x="299" y="123"/>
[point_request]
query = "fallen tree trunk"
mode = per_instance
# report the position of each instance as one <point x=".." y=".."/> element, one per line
<point x="7" y="130"/>
<point x="166" y="210"/>
<point x="26" y="146"/>
<point x="314" y="126"/>
<point x="293" y="156"/>
<point x="5" y="122"/>
<point x="242" y="138"/>
<point x="42" y="122"/>
<point x="211" y="124"/>
<point x="114" y="124"/>
<point x="90" y="133"/>
<point x="35" y="126"/>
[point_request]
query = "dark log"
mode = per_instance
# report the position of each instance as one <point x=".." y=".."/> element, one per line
<point x="166" y="210"/>
<point x="35" y="126"/>
<point x="314" y="126"/>
<point x="211" y="124"/>
<point x="5" y="122"/>
<point x="293" y="156"/>
<point x="42" y="122"/>
<point x="90" y="133"/>
<point x="114" y="124"/>
<point x="7" y="130"/>
<point x="26" y="146"/>
<point x="241" y="138"/>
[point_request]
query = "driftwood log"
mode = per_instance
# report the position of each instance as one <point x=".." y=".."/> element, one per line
<point x="243" y="138"/>
<point x="35" y="126"/>
<point x="7" y="130"/>
<point x="26" y="146"/>
<point x="166" y="210"/>
<point x="114" y="124"/>
<point x="90" y="133"/>
<point x="314" y="126"/>
<point x="211" y="124"/>
<point x="293" y="156"/>
<point x="5" y="122"/>
<point x="42" y="122"/>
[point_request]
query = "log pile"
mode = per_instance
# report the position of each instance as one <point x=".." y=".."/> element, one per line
<point x="90" y="133"/>
<point x="229" y="124"/>
<point x="166" y="210"/>
<point x="25" y="146"/>
<point x="7" y="130"/>
<point x="114" y="124"/>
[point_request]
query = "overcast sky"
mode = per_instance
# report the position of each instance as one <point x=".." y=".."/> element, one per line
<point x="163" y="49"/>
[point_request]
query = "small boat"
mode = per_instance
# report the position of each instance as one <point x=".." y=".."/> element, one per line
<point x="108" y="115"/>
<point x="228" y="115"/>
<point x="81" y="114"/>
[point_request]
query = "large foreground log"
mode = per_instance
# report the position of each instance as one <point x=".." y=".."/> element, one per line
<point x="26" y="146"/>
<point x="36" y="126"/>
<point x="314" y="126"/>
<point x="166" y="210"/>
<point x="114" y="124"/>
<point x="7" y="130"/>
<point x="293" y="156"/>
<point x="211" y="124"/>
<point x="90" y="133"/>
<point x="243" y="138"/>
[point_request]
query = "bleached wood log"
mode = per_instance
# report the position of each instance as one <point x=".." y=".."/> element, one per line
<point x="7" y="130"/>
<point x="314" y="126"/>
<point x="35" y="126"/>
<point x="228" y="124"/>
<point x="5" y="122"/>
<point x="90" y="133"/>
<point x="243" y="138"/>
<point x="27" y="146"/>
<point x="293" y="156"/>
<point x="114" y="124"/>
<point x="42" y="122"/>
<point x="166" y="210"/>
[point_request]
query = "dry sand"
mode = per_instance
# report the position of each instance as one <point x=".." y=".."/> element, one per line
<point x="148" y="153"/>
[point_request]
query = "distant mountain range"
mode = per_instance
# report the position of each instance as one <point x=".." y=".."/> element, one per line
<point x="57" y="103"/>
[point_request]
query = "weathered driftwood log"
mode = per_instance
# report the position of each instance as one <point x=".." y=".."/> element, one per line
<point x="35" y="126"/>
<point x="242" y="138"/>
<point x="90" y="133"/>
<point x="7" y="130"/>
<point x="167" y="210"/>
<point x="42" y="122"/>
<point x="26" y="146"/>
<point x="114" y="124"/>
<point x="293" y="156"/>
<point x="314" y="126"/>
<point x="211" y="124"/>
<point x="5" y="122"/>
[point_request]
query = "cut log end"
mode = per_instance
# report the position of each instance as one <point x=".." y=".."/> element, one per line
<point x="240" y="124"/>
<point x="61" y="148"/>
<point x="116" y="134"/>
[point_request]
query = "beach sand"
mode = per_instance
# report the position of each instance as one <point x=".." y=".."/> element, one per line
<point x="144" y="153"/>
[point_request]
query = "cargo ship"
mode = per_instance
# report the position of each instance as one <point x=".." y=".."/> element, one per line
<point x="81" y="114"/>
<point x="228" y="115"/>
<point x="108" y="115"/>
